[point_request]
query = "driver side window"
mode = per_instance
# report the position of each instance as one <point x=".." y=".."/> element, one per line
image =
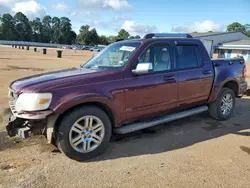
<point x="159" y="56"/>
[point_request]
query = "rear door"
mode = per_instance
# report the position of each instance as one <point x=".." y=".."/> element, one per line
<point x="155" y="93"/>
<point x="194" y="73"/>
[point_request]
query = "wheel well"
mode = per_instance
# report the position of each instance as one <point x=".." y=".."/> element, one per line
<point x="102" y="106"/>
<point x="232" y="85"/>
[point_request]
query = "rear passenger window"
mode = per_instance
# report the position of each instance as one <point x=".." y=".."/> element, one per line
<point x="188" y="56"/>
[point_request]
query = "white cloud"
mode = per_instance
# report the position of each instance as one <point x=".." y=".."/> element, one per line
<point x="135" y="28"/>
<point x="61" y="7"/>
<point x="30" y="8"/>
<point x="116" y="5"/>
<point x="204" y="26"/>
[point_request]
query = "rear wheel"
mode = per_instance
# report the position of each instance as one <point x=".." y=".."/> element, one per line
<point x="223" y="107"/>
<point x="84" y="133"/>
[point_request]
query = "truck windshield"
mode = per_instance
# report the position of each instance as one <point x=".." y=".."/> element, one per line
<point x="113" y="57"/>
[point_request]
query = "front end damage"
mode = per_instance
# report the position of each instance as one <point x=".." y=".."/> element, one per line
<point x="23" y="123"/>
<point x="26" y="124"/>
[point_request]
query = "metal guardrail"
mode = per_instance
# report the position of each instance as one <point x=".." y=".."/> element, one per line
<point x="39" y="44"/>
<point x="25" y="43"/>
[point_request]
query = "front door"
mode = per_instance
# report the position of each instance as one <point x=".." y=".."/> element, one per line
<point x="155" y="93"/>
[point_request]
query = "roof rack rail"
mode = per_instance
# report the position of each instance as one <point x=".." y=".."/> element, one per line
<point x="117" y="40"/>
<point x="155" y="35"/>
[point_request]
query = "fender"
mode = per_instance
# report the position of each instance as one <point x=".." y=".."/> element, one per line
<point x="216" y="88"/>
<point x="68" y="102"/>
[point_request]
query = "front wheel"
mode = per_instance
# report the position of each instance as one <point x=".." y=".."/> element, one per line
<point x="223" y="107"/>
<point x="84" y="133"/>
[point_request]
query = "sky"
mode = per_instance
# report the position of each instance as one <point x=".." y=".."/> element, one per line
<point x="138" y="16"/>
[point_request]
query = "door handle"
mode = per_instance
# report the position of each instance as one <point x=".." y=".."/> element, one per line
<point x="169" y="78"/>
<point x="207" y="72"/>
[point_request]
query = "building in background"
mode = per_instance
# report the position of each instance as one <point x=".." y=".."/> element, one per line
<point x="225" y="44"/>
<point x="234" y="49"/>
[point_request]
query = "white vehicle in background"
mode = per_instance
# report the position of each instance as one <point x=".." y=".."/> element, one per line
<point x="95" y="49"/>
<point x="67" y="47"/>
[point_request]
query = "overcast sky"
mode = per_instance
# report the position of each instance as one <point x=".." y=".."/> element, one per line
<point x="138" y="16"/>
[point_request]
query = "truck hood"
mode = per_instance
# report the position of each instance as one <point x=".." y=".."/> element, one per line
<point x="59" y="77"/>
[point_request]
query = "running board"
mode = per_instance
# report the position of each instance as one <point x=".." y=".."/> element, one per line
<point x="143" y="125"/>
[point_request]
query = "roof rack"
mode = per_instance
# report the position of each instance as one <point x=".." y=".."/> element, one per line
<point x="155" y="35"/>
<point x="117" y="40"/>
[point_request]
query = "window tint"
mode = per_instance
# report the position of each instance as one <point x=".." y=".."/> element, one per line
<point x="188" y="56"/>
<point x="159" y="56"/>
<point x="198" y="55"/>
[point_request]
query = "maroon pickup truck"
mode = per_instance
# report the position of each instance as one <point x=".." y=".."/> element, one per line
<point x="130" y="85"/>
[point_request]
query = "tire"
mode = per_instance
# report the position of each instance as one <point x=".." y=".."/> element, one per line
<point x="215" y="108"/>
<point x="66" y="142"/>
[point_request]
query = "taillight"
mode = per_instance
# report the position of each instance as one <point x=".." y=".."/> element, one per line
<point x="244" y="72"/>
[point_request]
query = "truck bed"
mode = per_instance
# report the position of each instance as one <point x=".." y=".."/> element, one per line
<point x="232" y="68"/>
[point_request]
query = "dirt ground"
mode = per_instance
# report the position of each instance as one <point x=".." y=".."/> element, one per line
<point x="194" y="152"/>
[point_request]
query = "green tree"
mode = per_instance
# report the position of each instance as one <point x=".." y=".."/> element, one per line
<point x="8" y="27"/>
<point x="83" y="32"/>
<point x="137" y="37"/>
<point x="247" y="28"/>
<point x="123" y="34"/>
<point x="64" y="31"/>
<point x="55" y="27"/>
<point x="47" y="31"/>
<point x="92" y="37"/>
<point x="23" y="27"/>
<point x="112" y="39"/>
<point x="103" y="40"/>
<point x="236" y="27"/>
<point x="73" y="36"/>
<point x="37" y="28"/>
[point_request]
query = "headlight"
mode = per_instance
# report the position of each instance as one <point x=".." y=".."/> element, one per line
<point x="33" y="101"/>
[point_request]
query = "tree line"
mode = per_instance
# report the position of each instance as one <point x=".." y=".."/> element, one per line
<point x="91" y="37"/>
<point x="52" y="30"/>
<point x="48" y="30"/>
<point x="59" y="30"/>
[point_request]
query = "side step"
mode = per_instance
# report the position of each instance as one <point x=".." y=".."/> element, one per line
<point x="143" y="125"/>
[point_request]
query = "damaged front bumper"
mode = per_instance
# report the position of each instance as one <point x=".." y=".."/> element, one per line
<point x="22" y="124"/>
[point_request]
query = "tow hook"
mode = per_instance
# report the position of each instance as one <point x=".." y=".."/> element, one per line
<point x="23" y="132"/>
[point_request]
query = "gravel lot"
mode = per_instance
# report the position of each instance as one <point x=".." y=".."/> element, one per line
<point x="194" y="152"/>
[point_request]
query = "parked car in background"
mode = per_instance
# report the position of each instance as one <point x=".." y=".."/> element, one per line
<point x="95" y="49"/>
<point x="67" y="47"/>
<point x="85" y="48"/>
<point x="129" y="86"/>
<point x="76" y="47"/>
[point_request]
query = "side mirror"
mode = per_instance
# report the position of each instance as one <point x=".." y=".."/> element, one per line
<point x="143" y="68"/>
